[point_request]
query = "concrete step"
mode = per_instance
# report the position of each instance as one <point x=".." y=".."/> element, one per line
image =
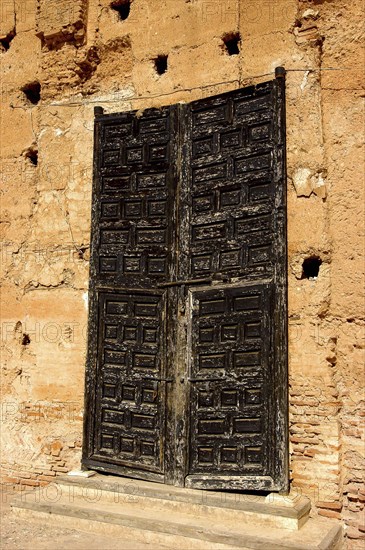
<point x="289" y="512"/>
<point x="167" y="521"/>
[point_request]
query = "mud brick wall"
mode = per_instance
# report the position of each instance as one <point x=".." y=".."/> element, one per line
<point x="60" y="58"/>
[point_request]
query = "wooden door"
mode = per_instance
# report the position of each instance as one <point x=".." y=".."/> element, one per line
<point x="133" y="250"/>
<point x="187" y="373"/>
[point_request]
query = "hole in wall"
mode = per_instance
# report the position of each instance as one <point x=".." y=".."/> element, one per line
<point x="161" y="64"/>
<point x="32" y="155"/>
<point x="232" y="42"/>
<point x="25" y="340"/>
<point x="319" y="43"/>
<point x="81" y="252"/>
<point x="310" y="267"/>
<point x="5" y="42"/>
<point x="122" y="7"/>
<point x="32" y="92"/>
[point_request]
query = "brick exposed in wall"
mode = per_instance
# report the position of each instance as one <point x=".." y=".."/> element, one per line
<point x="58" y="22"/>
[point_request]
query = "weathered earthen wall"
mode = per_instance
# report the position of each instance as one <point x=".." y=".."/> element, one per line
<point x="61" y="58"/>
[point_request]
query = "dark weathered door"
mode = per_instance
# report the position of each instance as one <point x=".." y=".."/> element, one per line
<point x="133" y="250"/>
<point x="187" y="374"/>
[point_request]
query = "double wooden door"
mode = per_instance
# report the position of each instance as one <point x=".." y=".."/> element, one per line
<point x="186" y="378"/>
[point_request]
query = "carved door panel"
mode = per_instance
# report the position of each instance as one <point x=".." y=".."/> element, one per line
<point x="234" y="202"/>
<point x="186" y="376"/>
<point x="133" y="250"/>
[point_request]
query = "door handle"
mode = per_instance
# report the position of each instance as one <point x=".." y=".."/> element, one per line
<point x="186" y="282"/>
<point x="182" y="379"/>
<point x="206" y="379"/>
<point x="158" y="379"/>
<point x="217" y="278"/>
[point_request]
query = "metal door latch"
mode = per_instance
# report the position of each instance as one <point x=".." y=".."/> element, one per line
<point x="185" y="282"/>
<point x="157" y="379"/>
